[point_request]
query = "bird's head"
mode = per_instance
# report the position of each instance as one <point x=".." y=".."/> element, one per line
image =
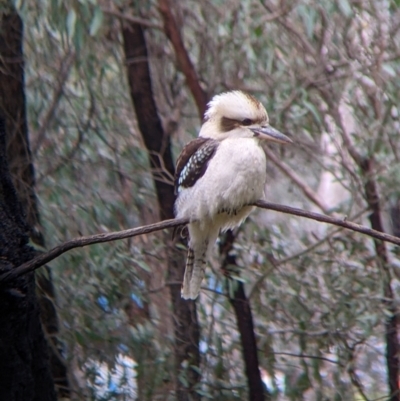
<point x="238" y="115"/>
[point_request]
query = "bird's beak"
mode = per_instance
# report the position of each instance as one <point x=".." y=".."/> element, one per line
<point x="269" y="133"/>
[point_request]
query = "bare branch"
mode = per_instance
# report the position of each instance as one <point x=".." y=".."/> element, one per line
<point x="330" y="220"/>
<point x="182" y="56"/>
<point x="44" y="258"/>
<point x="305" y="44"/>
<point x="278" y="13"/>
<point x="321" y="358"/>
<point x="355" y="380"/>
<point x="66" y="64"/>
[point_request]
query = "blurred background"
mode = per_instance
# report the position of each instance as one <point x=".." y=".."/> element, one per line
<point x="320" y="302"/>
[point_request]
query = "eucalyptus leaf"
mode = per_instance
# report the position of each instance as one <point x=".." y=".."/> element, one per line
<point x="97" y="21"/>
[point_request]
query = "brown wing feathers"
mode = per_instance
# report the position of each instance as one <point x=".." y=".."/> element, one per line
<point x="193" y="161"/>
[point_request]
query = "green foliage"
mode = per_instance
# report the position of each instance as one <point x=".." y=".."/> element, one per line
<point x="315" y="292"/>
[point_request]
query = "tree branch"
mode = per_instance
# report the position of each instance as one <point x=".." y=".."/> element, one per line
<point x="84" y="241"/>
<point x="330" y="220"/>
<point x="133" y="232"/>
<point x="182" y="56"/>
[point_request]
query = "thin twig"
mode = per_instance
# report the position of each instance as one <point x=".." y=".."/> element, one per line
<point x="65" y="68"/>
<point x="308" y="356"/>
<point x="272" y="16"/>
<point x="130" y="18"/>
<point x="330" y="220"/>
<point x="307" y="190"/>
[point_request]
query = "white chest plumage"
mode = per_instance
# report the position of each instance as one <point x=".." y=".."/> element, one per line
<point x="235" y="177"/>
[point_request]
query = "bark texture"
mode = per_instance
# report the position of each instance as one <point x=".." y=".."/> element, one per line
<point x="13" y="108"/>
<point x="24" y="364"/>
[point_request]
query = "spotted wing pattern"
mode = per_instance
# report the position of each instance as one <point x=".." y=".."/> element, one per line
<point x="193" y="161"/>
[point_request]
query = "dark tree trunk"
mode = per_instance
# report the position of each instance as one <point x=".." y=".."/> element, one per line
<point x="13" y="108"/>
<point x="186" y="327"/>
<point x="24" y="363"/>
<point x="244" y="319"/>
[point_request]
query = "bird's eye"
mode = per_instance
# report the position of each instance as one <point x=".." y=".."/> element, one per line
<point x="247" y="121"/>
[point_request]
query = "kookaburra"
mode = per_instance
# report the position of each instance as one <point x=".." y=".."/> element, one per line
<point x="219" y="174"/>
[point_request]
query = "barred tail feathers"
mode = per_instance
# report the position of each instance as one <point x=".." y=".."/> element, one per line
<point x="194" y="274"/>
<point x="185" y="291"/>
<point x="201" y="240"/>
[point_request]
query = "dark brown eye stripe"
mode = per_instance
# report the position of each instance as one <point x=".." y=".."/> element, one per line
<point x="228" y="124"/>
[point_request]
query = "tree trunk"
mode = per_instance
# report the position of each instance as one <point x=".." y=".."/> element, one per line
<point x="13" y="108"/>
<point x="186" y="327"/>
<point x="24" y="363"/>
